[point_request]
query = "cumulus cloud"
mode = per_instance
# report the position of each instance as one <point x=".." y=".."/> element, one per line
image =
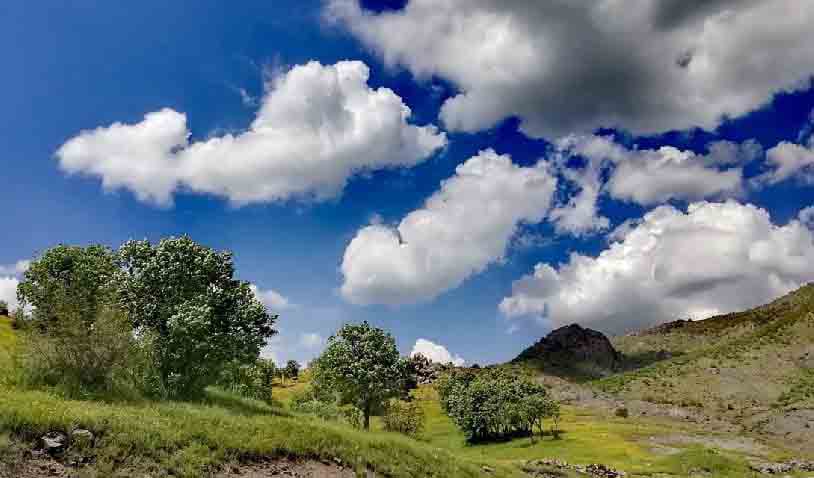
<point x="460" y="230"/>
<point x="18" y="268"/>
<point x="806" y="217"/>
<point x="8" y="291"/>
<point x="311" y="340"/>
<point x="317" y="126"/>
<point x="789" y="160"/>
<point x="646" y="66"/>
<point x="436" y="353"/>
<point x="650" y="177"/>
<point x="272" y="299"/>
<point x="714" y="258"/>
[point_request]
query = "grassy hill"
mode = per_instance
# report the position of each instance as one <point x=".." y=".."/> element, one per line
<point x="747" y="360"/>
<point x="224" y="431"/>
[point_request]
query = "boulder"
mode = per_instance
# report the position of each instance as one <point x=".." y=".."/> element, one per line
<point x="82" y="438"/>
<point x="54" y="443"/>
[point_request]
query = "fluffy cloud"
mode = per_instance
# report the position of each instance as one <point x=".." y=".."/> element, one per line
<point x="317" y="126"/>
<point x="460" y="230"/>
<point x="311" y="340"/>
<point x="436" y="353"/>
<point x="17" y="268"/>
<point x="788" y="160"/>
<point x="272" y="299"/>
<point x="646" y="66"/>
<point x="715" y="258"/>
<point x="650" y="177"/>
<point x="806" y="217"/>
<point x="8" y="291"/>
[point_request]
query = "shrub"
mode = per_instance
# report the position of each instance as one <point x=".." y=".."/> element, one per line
<point x="403" y="417"/>
<point x="251" y="381"/>
<point x="102" y="359"/>
<point x="492" y="404"/>
<point x="622" y="412"/>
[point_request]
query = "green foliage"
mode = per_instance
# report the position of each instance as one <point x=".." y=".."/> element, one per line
<point x="75" y="337"/>
<point x="403" y="417"/>
<point x="292" y="369"/>
<point x="67" y="287"/>
<point x="251" y="381"/>
<point x="184" y="296"/>
<point x="362" y="366"/>
<point x="494" y="404"/>
<point x="103" y="359"/>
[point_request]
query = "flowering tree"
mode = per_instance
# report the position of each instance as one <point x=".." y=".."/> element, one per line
<point x="183" y="297"/>
<point x="362" y="366"/>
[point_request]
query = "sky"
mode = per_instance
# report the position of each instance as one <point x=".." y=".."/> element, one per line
<point x="467" y="174"/>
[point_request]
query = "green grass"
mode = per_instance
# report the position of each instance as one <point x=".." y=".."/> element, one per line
<point x="587" y="437"/>
<point x="187" y="439"/>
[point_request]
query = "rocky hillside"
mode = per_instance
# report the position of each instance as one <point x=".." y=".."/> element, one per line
<point x="573" y="351"/>
<point x="753" y="368"/>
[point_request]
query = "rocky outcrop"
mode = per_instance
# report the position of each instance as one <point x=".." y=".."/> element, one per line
<point x="575" y="347"/>
<point x="548" y="467"/>
<point x="665" y="328"/>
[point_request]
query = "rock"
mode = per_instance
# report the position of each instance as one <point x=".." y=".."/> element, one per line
<point x="54" y="443"/>
<point x="573" y="346"/>
<point x="487" y="469"/>
<point x="82" y="438"/>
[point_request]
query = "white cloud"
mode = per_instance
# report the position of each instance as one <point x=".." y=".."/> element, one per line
<point x="650" y="177"/>
<point x="646" y="66"/>
<point x="806" y="217"/>
<point x="8" y="291"/>
<point x="311" y="340"/>
<point x="715" y="258"/>
<point x="317" y="126"/>
<point x="789" y="160"/>
<point x="15" y="269"/>
<point x="436" y="353"/>
<point x="460" y="230"/>
<point x="272" y="299"/>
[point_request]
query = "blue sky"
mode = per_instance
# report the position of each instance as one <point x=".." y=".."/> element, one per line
<point x="73" y="67"/>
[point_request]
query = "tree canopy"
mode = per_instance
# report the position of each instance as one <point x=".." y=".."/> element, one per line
<point x="362" y="366"/>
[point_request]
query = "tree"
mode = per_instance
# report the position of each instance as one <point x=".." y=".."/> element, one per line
<point x="183" y="298"/>
<point x="76" y="336"/>
<point x="362" y="366"/>
<point x="4" y="308"/>
<point x="68" y="282"/>
<point x="292" y="369"/>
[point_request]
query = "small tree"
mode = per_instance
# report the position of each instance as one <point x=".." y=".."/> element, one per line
<point x="75" y="337"/>
<point x="292" y="369"/>
<point x="184" y="298"/>
<point x="362" y="366"/>
<point x="68" y="282"/>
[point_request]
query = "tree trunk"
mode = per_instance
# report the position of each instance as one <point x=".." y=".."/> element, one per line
<point x="367" y="415"/>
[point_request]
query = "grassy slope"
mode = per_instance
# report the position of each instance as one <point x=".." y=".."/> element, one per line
<point x="729" y="363"/>
<point x="187" y="439"/>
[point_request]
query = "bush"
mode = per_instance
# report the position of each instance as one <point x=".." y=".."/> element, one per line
<point x="102" y="359"/>
<point x="251" y="381"/>
<point x="622" y="412"/>
<point x="403" y="417"/>
<point x="492" y="404"/>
